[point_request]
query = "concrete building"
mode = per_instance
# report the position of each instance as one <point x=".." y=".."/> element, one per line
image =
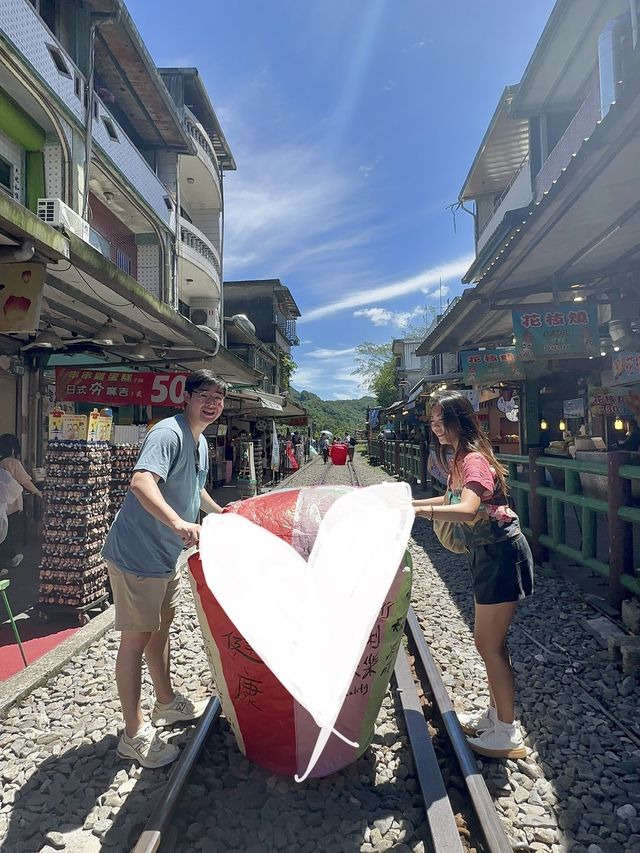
<point x="111" y="189"/>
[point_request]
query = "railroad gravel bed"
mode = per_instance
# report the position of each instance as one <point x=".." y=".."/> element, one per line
<point x="63" y="787"/>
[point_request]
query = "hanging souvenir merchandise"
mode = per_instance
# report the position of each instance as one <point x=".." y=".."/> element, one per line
<point x="72" y="572"/>
<point x="302" y="640"/>
<point x="123" y="459"/>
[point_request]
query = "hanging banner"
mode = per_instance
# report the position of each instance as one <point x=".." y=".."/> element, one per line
<point x="555" y="331"/>
<point x="20" y="297"/>
<point x="618" y="402"/>
<point x="119" y="388"/>
<point x="275" y="448"/>
<point x="626" y="368"/>
<point x="481" y="367"/>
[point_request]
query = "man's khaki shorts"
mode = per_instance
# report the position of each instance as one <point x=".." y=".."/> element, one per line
<point x="140" y="600"/>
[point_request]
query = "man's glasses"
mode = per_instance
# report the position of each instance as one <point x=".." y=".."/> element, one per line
<point x="209" y="398"/>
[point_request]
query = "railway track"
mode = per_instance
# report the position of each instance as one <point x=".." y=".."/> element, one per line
<point x="416" y="676"/>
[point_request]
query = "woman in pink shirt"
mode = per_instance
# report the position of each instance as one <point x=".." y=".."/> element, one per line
<point x="10" y="558"/>
<point x="499" y="555"/>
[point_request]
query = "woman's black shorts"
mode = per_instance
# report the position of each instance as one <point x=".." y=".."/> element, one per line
<point x="502" y="571"/>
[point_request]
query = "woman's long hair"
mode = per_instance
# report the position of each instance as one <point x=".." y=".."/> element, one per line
<point x="458" y="418"/>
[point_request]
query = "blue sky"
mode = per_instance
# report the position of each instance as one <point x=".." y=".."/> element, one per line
<point x="353" y="124"/>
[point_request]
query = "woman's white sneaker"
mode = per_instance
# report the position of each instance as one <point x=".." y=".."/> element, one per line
<point x="474" y="722"/>
<point x="502" y="741"/>
<point x="179" y="710"/>
<point x="147" y="748"/>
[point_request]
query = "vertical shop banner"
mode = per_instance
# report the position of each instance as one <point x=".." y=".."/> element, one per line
<point x="490" y="365"/>
<point x="626" y="368"/>
<point x="20" y="297"/>
<point x="555" y="331"/>
<point x="120" y="388"/>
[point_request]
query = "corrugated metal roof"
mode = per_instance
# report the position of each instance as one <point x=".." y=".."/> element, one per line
<point x="503" y="149"/>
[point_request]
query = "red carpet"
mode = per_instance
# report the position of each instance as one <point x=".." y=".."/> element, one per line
<point x="37" y="639"/>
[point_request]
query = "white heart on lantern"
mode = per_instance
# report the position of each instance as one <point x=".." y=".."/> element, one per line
<point x="310" y="621"/>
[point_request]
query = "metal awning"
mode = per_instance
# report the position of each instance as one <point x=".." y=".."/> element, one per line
<point x="502" y="151"/>
<point x="257" y="403"/>
<point x="575" y="239"/>
<point x="565" y="56"/>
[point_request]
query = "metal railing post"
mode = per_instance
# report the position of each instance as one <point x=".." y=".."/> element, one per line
<point x="423" y="465"/>
<point x="396" y="457"/>
<point x="537" y="505"/>
<point x="620" y="531"/>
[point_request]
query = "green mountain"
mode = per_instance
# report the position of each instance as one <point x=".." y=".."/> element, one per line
<point x="338" y="416"/>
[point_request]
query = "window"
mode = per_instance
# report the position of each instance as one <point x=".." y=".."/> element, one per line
<point x="111" y="130"/>
<point x="6" y="176"/>
<point x="59" y="60"/>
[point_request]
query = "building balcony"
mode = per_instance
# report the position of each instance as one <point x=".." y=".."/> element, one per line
<point x="198" y="263"/>
<point x="517" y="194"/>
<point x="198" y="172"/>
<point x="580" y="128"/>
<point x="27" y="34"/>
<point x="287" y="329"/>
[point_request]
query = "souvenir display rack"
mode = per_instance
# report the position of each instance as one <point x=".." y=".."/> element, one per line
<point x="73" y="575"/>
<point x="123" y="460"/>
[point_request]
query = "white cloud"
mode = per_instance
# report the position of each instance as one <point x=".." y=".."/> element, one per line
<point x="384" y="317"/>
<point x="448" y="271"/>
<point x="287" y="207"/>
<point x="330" y="353"/>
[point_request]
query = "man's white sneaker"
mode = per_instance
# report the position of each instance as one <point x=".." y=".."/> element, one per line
<point x="474" y="722"/>
<point x="147" y="748"/>
<point x="502" y="741"/>
<point x="179" y="710"/>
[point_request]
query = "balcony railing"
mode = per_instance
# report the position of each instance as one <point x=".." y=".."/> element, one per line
<point x="287" y="328"/>
<point x="517" y="194"/>
<point x="198" y="134"/>
<point x="30" y="37"/>
<point x="581" y="127"/>
<point x="195" y="240"/>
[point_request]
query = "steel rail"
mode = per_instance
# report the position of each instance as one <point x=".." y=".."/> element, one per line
<point x="440" y="817"/>
<point x="494" y="834"/>
<point x="157" y="825"/>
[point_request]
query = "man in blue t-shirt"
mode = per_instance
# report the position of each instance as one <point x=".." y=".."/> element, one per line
<point x="158" y="519"/>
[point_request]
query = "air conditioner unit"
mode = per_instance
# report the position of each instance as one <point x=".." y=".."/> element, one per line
<point x="205" y="313"/>
<point x="58" y="214"/>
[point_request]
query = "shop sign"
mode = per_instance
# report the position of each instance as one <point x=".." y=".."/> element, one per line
<point x="573" y="408"/>
<point x="301" y="421"/>
<point x="20" y="297"/>
<point x="626" y="368"/>
<point x="555" y="331"/>
<point x="480" y="367"/>
<point x="622" y="402"/>
<point x="119" y="388"/>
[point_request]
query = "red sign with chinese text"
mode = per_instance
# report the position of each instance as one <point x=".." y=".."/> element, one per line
<point x="120" y="388"/>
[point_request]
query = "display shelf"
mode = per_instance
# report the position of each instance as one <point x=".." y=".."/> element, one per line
<point x="73" y="574"/>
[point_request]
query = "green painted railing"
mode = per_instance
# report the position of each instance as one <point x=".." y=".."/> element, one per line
<point x="541" y="508"/>
<point x="404" y="459"/>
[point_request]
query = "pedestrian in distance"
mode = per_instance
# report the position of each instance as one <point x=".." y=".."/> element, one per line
<point x="10" y="556"/>
<point x="158" y="519"/>
<point x="351" y="445"/>
<point x="500" y="559"/>
<point x="324" y="448"/>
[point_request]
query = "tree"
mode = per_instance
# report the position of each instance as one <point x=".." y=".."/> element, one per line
<point x="370" y="359"/>
<point x="384" y="385"/>
<point x="376" y="365"/>
<point x="287" y="369"/>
